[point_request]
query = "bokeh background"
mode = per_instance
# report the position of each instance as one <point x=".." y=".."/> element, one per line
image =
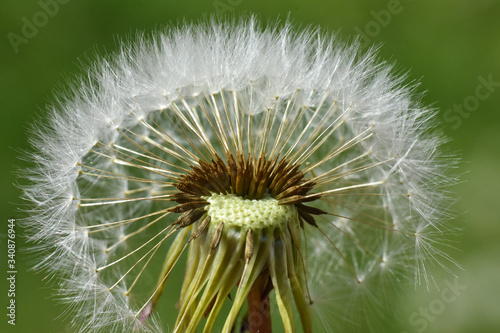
<point x="451" y="46"/>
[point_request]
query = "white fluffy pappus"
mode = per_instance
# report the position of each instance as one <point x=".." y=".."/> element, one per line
<point x="108" y="163"/>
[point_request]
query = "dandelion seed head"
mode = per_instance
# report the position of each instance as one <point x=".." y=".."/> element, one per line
<point x="237" y="211"/>
<point x="293" y="160"/>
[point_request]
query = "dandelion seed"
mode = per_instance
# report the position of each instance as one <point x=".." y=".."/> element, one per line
<point x="279" y="165"/>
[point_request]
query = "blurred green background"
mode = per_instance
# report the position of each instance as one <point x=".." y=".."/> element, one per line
<point x="451" y="46"/>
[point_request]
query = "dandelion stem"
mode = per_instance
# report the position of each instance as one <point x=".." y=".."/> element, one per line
<point x="259" y="309"/>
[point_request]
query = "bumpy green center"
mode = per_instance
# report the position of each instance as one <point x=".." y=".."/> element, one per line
<point x="261" y="213"/>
